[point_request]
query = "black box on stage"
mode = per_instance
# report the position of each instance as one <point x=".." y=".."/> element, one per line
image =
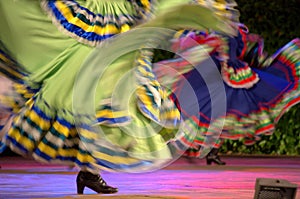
<point x="267" y="188"/>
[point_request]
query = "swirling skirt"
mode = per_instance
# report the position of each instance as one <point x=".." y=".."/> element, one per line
<point x="217" y="111"/>
<point x="67" y="102"/>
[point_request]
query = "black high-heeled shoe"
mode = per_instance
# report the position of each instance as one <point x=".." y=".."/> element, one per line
<point x="212" y="157"/>
<point x="94" y="182"/>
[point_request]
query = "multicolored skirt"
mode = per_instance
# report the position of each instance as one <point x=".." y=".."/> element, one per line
<point x="236" y="92"/>
<point x="75" y="95"/>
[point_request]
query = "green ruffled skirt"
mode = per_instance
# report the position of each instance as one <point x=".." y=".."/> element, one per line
<point x="68" y="101"/>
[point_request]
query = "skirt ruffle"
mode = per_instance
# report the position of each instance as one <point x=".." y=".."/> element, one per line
<point x="96" y="21"/>
<point x="30" y="126"/>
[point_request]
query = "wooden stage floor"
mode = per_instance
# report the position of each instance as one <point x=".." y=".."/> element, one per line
<point x="183" y="179"/>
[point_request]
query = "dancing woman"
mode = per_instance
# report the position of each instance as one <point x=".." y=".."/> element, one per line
<point x="240" y="92"/>
<point x="45" y="44"/>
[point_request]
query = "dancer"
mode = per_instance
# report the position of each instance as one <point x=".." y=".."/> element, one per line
<point x="47" y="47"/>
<point x="239" y="91"/>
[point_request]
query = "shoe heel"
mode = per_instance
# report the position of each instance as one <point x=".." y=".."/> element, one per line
<point x="208" y="161"/>
<point x="80" y="188"/>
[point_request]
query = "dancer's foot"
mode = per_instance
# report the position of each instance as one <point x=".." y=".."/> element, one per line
<point x="213" y="157"/>
<point x="94" y="182"/>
